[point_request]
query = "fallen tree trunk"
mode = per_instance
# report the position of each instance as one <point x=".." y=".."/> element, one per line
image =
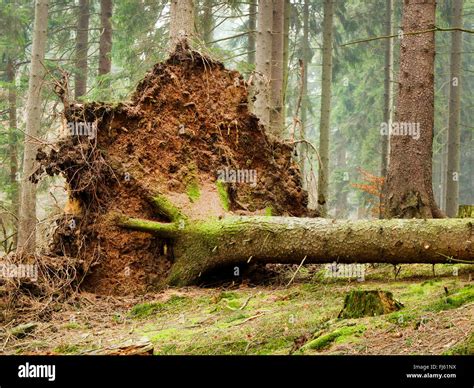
<point x="200" y="246"/>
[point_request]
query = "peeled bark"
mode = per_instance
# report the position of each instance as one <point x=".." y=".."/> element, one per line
<point x="408" y="189"/>
<point x="27" y="220"/>
<point x="200" y="246"/>
<point x="454" y="130"/>
<point x="323" y="176"/>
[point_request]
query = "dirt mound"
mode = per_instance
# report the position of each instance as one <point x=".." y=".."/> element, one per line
<point x="187" y="134"/>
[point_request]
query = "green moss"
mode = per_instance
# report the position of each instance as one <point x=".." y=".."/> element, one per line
<point x="193" y="191"/>
<point x="223" y="195"/>
<point x="464" y="349"/>
<point x="268" y="211"/>
<point x="362" y="303"/>
<point x="144" y="310"/>
<point x="462" y="296"/>
<point x="168" y="209"/>
<point x="341" y="335"/>
<point x="66" y="349"/>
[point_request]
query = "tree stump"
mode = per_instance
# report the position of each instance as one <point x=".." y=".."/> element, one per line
<point x="359" y="304"/>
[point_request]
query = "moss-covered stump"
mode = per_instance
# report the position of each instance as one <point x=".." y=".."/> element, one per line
<point x="359" y="304"/>
<point x="465" y="211"/>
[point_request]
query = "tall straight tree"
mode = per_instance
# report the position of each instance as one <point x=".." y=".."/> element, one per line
<point x="277" y="72"/>
<point x="408" y="190"/>
<point x="27" y="221"/>
<point x="304" y="88"/>
<point x="454" y="132"/>
<point x="325" y="121"/>
<point x="181" y="21"/>
<point x="13" y="146"/>
<point x="388" y="82"/>
<point x="82" y="46"/>
<point x="263" y="61"/>
<point x="251" y="35"/>
<point x="105" y="42"/>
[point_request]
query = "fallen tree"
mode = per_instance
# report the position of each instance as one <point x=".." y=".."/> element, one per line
<point x="203" y="245"/>
<point x="183" y="179"/>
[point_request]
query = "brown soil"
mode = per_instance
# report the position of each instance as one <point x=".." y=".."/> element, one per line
<point x="187" y="119"/>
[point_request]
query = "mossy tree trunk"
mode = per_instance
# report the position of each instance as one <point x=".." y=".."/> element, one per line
<point x="203" y="245"/>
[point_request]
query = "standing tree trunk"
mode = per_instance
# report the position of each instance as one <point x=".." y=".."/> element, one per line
<point x="408" y="190"/>
<point x="454" y="132"/>
<point x="304" y="90"/>
<point x="286" y="57"/>
<point x="251" y="35"/>
<point x="388" y="87"/>
<point x="276" y="112"/>
<point x="27" y="220"/>
<point x="105" y="43"/>
<point x="263" y="61"/>
<point x="13" y="146"/>
<point x="82" y="46"/>
<point x="181" y="21"/>
<point x="323" y="178"/>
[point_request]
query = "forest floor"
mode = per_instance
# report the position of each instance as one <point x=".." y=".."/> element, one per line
<point x="437" y="317"/>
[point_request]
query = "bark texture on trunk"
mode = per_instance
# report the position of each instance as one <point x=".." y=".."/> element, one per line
<point x="325" y="121"/>
<point x="388" y="83"/>
<point x="27" y="220"/>
<point x="263" y="65"/>
<point x="408" y="190"/>
<point x="12" y="137"/>
<point x="454" y="130"/>
<point x="181" y="21"/>
<point x="200" y="246"/>
<point x="82" y="46"/>
<point x="251" y="44"/>
<point x="277" y="74"/>
<point x="105" y="43"/>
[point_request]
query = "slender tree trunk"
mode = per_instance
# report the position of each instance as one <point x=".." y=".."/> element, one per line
<point x="105" y="43"/>
<point x="454" y="132"/>
<point x="286" y="58"/>
<point x="263" y="61"/>
<point x="324" y="125"/>
<point x="409" y="191"/>
<point x="82" y="46"/>
<point x="304" y="91"/>
<point x="12" y="140"/>
<point x="388" y="83"/>
<point x="276" y="112"/>
<point x="27" y="212"/>
<point x="181" y="21"/>
<point x="251" y="36"/>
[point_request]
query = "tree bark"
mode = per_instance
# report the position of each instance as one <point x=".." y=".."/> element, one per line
<point x="200" y="246"/>
<point x="105" y="43"/>
<point x="263" y="65"/>
<point x="82" y="46"/>
<point x="181" y="21"/>
<point x="207" y="22"/>
<point x="251" y="36"/>
<point x="27" y="220"/>
<point x="276" y="83"/>
<point x="388" y="83"/>
<point x="323" y="174"/>
<point x="454" y="131"/>
<point x="408" y="189"/>
<point x="304" y="91"/>
<point x="12" y="138"/>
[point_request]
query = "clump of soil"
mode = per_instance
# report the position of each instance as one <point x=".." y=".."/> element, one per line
<point x="187" y="125"/>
